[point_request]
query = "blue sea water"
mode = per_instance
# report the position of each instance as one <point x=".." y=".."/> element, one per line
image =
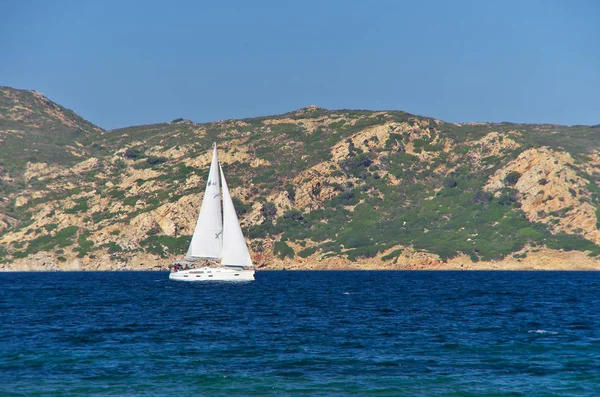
<point x="301" y="333"/>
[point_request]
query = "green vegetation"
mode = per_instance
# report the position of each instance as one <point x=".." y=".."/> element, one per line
<point x="84" y="245"/>
<point x="512" y="178"/>
<point x="306" y="252"/>
<point x="131" y="200"/>
<point x="282" y="250"/>
<point x="80" y="206"/>
<point x="133" y="153"/>
<point x="47" y="242"/>
<point x="163" y="245"/>
<point x="113" y="248"/>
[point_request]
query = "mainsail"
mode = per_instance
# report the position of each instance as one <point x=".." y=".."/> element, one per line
<point x="207" y="241"/>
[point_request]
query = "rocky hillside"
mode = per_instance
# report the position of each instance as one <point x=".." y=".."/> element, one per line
<point x="314" y="188"/>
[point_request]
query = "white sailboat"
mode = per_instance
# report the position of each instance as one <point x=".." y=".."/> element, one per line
<point x="217" y="241"/>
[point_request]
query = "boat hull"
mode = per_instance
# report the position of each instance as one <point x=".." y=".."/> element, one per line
<point x="213" y="274"/>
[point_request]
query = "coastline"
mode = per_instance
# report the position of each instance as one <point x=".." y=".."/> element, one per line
<point x="539" y="260"/>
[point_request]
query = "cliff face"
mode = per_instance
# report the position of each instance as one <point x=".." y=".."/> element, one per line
<point x="313" y="189"/>
<point x="552" y="192"/>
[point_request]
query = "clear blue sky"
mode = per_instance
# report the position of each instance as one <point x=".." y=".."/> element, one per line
<point x="123" y="63"/>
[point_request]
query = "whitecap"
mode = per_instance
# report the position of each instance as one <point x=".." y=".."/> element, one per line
<point x="541" y="331"/>
<point x="345" y="293"/>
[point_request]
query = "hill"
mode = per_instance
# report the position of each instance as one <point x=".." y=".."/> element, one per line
<point x="314" y="188"/>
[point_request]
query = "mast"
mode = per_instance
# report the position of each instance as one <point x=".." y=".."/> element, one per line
<point x="235" y="251"/>
<point x="207" y="240"/>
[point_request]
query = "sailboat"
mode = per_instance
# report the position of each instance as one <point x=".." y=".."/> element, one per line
<point x="217" y="251"/>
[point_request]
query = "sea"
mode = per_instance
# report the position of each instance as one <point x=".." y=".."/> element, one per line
<point x="301" y="333"/>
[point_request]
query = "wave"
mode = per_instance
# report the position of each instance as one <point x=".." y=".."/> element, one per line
<point x="541" y="331"/>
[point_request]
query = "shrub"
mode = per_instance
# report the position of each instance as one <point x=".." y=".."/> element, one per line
<point x="268" y="210"/>
<point x="132" y="153"/>
<point x="18" y="244"/>
<point x="419" y="143"/>
<point x="512" y="178"/>
<point x="354" y="239"/>
<point x="364" y="252"/>
<point x="508" y="197"/>
<point x="66" y="233"/>
<point x="49" y="227"/>
<point x="258" y="246"/>
<point x="570" y="242"/>
<point x="117" y="194"/>
<point x="154" y="160"/>
<point x="482" y="197"/>
<point x="80" y="206"/>
<point x="240" y="207"/>
<point x="85" y="245"/>
<point x="131" y="200"/>
<point x="356" y="165"/>
<point x="347" y="197"/>
<point x="291" y="191"/>
<point x="293" y="215"/>
<point x="450" y="183"/>
<point x="306" y="252"/>
<point x="392" y="255"/>
<point x="157" y="244"/>
<point x="113" y="247"/>
<point x="393" y="140"/>
<point x="259" y="231"/>
<point x="282" y="250"/>
<point x="316" y="190"/>
<point x="47" y="242"/>
<point x="99" y="216"/>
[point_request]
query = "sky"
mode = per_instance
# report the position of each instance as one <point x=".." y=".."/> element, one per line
<point x="120" y="63"/>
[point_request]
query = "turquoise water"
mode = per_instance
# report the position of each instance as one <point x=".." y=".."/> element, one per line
<point x="301" y="333"/>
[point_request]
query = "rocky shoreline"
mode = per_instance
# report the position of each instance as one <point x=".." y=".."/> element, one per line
<point x="542" y="260"/>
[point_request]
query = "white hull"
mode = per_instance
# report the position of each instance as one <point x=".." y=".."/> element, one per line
<point x="213" y="274"/>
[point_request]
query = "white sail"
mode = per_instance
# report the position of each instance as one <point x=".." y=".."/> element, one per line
<point x="207" y="240"/>
<point x="235" y="251"/>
